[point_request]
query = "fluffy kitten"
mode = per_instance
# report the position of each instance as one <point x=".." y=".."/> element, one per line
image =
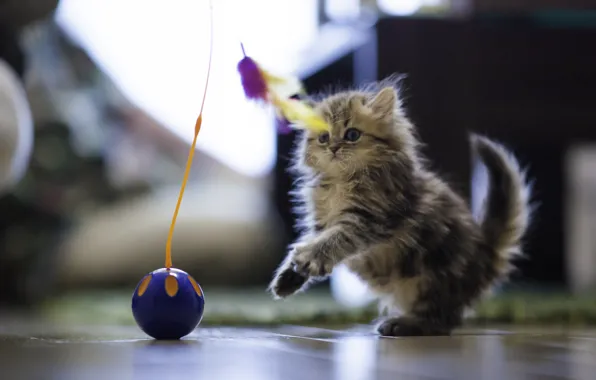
<point x="370" y="202"/>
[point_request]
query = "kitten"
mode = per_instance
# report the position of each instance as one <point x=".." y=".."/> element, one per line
<point x="369" y="201"/>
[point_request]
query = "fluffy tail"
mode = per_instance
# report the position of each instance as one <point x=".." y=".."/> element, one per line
<point x="506" y="211"/>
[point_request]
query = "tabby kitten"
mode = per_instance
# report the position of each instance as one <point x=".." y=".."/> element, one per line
<point x="369" y="201"/>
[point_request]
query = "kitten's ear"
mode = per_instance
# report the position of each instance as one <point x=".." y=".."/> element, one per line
<point x="384" y="103"/>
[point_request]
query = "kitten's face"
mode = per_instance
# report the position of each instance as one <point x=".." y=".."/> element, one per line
<point x="364" y="131"/>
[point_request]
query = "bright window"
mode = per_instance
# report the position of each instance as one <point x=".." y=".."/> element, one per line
<point x="156" y="52"/>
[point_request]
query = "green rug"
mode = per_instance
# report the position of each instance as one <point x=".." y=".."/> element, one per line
<point x="256" y="308"/>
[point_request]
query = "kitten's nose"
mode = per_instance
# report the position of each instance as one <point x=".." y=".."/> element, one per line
<point x="334" y="149"/>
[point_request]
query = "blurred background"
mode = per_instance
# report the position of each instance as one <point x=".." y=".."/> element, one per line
<point x="98" y="100"/>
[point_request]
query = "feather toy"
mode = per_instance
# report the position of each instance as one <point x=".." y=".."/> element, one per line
<point x="261" y="85"/>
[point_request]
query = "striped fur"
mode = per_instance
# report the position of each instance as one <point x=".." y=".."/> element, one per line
<point x="374" y="205"/>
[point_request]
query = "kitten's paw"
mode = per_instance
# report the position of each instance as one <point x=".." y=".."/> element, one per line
<point x="287" y="283"/>
<point x="404" y="326"/>
<point x="307" y="262"/>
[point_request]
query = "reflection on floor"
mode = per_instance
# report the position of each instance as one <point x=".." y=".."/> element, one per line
<point x="293" y="352"/>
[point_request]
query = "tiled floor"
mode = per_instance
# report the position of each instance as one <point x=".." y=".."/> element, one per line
<point x="292" y="352"/>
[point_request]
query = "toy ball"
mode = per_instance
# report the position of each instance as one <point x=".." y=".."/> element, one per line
<point x="168" y="304"/>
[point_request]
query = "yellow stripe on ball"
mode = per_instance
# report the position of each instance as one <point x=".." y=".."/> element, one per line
<point x="171" y="286"/>
<point x="144" y="285"/>
<point x="195" y="285"/>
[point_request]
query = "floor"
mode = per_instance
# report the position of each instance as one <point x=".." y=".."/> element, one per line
<point x="29" y="351"/>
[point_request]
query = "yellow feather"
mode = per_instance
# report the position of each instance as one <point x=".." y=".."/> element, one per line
<point x="300" y="114"/>
<point x="296" y="112"/>
<point x="284" y="87"/>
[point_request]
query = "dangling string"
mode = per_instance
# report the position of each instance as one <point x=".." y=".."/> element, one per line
<point x="192" y="146"/>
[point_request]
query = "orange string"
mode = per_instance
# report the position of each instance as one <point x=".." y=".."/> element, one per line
<point x="192" y="147"/>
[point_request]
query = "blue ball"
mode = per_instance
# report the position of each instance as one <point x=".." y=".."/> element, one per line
<point x="168" y="304"/>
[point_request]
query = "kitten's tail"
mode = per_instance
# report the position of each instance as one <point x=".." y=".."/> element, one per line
<point x="506" y="210"/>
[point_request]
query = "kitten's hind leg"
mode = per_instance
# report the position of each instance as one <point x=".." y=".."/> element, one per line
<point x="433" y="313"/>
<point x="411" y="326"/>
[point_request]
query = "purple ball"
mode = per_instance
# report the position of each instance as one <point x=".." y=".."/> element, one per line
<point x="168" y="304"/>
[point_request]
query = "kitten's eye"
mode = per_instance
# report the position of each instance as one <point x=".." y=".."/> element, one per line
<point x="324" y="138"/>
<point x="352" y="135"/>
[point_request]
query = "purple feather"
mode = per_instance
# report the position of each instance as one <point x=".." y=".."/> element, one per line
<point x="252" y="81"/>
<point x="283" y="125"/>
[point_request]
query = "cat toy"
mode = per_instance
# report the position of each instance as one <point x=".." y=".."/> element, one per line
<point x="262" y="86"/>
<point x="168" y="303"/>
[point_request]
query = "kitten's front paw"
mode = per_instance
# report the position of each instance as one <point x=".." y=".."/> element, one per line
<point x="311" y="263"/>
<point x="287" y="283"/>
